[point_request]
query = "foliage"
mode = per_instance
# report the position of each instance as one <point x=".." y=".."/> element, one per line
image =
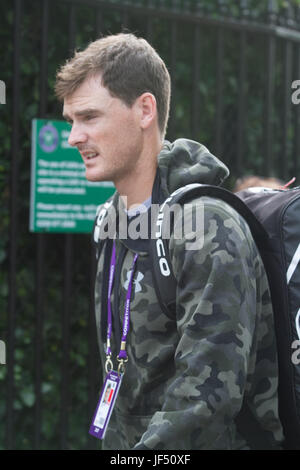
<point x="180" y="58"/>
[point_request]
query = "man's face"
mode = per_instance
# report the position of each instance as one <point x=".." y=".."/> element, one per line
<point x="105" y="131"/>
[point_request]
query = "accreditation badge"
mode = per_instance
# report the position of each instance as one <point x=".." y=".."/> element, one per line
<point x="105" y="404"/>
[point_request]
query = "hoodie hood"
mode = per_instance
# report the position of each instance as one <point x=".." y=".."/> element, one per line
<point x="186" y="161"/>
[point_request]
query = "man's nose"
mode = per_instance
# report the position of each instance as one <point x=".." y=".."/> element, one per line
<point x="77" y="135"/>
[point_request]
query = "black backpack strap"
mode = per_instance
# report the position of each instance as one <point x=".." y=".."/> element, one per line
<point x="163" y="277"/>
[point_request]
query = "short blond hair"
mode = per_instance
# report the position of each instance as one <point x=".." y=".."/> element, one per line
<point x="128" y="67"/>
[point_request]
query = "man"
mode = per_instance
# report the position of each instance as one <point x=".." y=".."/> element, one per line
<point x="204" y="377"/>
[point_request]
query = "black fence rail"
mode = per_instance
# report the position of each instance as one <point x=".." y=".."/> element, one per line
<point x="232" y="65"/>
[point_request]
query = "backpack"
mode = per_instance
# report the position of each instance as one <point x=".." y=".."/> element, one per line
<point x="273" y="217"/>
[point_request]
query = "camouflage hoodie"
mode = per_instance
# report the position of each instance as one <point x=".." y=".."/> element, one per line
<point x="205" y="378"/>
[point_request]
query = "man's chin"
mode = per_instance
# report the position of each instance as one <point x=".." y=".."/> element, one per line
<point x="95" y="178"/>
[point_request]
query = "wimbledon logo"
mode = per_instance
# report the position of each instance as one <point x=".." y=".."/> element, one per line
<point x="48" y="138"/>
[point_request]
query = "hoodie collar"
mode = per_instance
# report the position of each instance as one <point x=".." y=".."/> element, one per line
<point x="186" y="161"/>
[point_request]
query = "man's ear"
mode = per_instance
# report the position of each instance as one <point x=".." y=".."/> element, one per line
<point x="147" y="110"/>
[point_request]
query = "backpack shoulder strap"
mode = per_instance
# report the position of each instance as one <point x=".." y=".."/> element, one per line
<point x="163" y="276"/>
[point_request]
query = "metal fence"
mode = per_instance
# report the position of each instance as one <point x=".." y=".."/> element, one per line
<point x="232" y="65"/>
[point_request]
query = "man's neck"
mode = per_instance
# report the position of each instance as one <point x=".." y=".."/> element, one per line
<point x="137" y="186"/>
<point x="137" y="189"/>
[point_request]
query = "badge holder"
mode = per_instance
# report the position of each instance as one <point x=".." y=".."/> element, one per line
<point x="106" y="404"/>
<point x="113" y="379"/>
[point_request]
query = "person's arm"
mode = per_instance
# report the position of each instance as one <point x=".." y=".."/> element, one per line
<point x="216" y="320"/>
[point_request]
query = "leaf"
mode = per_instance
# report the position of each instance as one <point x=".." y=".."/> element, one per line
<point x="27" y="397"/>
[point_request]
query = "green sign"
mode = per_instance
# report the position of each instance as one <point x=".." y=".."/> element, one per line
<point x="62" y="199"/>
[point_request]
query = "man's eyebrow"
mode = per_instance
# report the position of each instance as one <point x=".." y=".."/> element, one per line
<point x="82" y="112"/>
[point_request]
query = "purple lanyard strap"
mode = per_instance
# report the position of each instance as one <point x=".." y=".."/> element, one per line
<point x="122" y="357"/>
